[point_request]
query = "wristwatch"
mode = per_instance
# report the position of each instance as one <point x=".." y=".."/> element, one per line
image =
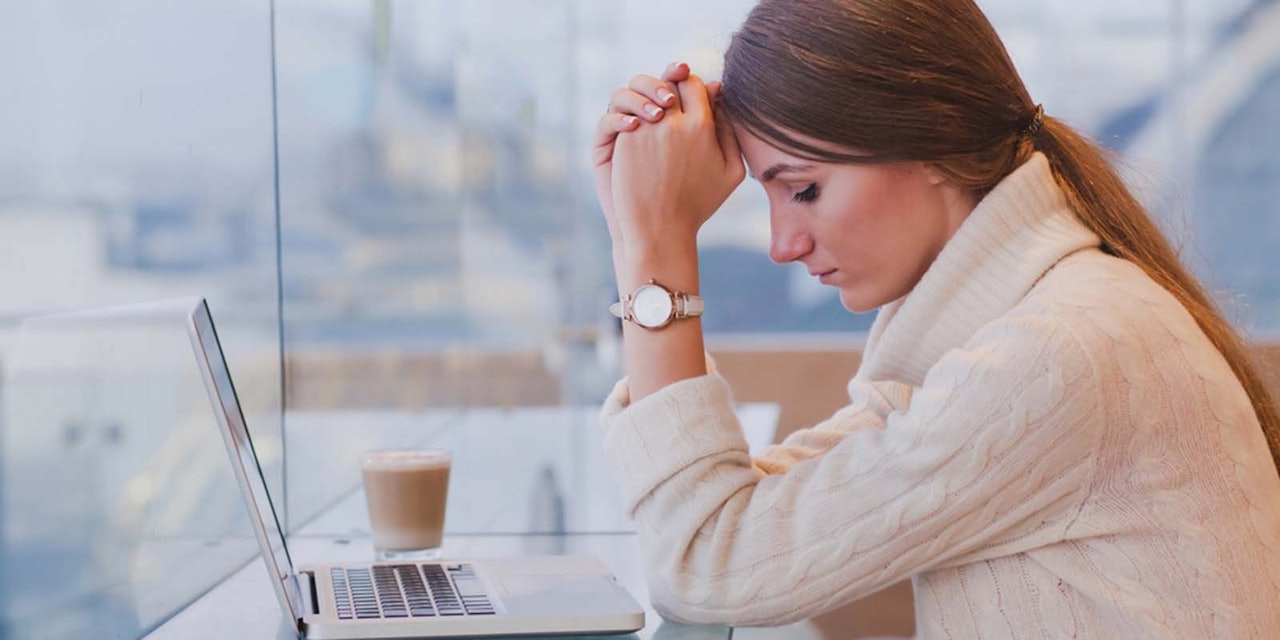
<point x="654" y="306"/>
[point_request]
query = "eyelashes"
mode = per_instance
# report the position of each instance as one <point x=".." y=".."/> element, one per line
<point x="809" y="194"/>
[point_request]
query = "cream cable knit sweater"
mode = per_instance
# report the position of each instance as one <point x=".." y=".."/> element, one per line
<point x="1039" y="436"/>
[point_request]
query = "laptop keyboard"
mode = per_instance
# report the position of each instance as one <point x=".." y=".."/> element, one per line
<point x="409" y="590"/>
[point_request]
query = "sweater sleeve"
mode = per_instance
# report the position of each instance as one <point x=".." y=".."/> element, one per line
<point x="870" y="403"/>
<point x="993" y="456"/>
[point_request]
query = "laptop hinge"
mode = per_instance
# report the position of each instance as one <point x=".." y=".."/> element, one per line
<point x="307" y="587"/>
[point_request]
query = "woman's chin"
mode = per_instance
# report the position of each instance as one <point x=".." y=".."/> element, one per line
<point x="859" y="301"/>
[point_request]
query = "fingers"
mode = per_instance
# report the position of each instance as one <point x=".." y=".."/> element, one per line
<point x="607" y="130"/>
<point x="675" y="72"/>
<point x="713" y="92"/>
<point x="693" y="97"/>
<point x="662" y="91"/>
<point x="646" y="96"/>
<point x="630" y="102"/>
<point x="653" y="89"/>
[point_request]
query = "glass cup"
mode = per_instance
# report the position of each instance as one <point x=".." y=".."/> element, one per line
<point x="406" y="492"/>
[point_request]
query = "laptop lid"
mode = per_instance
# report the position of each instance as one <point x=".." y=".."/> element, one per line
<point x="235" y="434"/>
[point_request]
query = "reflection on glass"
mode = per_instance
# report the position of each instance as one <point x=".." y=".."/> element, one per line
<point x="428" y="211"/>
<point x="119" y="505"/>
<point x="423" y="170"/>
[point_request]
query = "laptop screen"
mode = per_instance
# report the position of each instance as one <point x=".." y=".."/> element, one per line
<point x="217" y="377"/>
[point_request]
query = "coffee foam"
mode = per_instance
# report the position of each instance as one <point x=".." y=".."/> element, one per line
<point x="405" y="460"/>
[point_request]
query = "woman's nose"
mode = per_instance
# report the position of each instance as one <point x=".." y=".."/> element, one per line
<point x="788" y="242"/>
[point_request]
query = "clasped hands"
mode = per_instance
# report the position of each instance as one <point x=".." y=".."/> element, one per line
<point x="664" y="162"/>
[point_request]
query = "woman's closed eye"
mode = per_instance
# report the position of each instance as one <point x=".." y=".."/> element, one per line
<point x="809" y="194"/>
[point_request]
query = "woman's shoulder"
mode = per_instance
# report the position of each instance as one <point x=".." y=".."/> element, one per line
<point x="1103" y="300"/>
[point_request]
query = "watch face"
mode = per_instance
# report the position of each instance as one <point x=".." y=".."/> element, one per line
<point x="652" y="306"/>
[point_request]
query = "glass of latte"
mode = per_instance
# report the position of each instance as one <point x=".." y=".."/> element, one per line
<point x="406" y="491"/>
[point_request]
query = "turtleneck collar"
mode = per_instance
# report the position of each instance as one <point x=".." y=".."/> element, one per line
<point x="1014" y="235"/>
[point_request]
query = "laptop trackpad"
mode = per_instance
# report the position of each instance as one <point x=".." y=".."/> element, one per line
<point x="534" y="594"/>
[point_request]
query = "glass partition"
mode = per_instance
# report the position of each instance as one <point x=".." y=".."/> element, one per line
<point x="136" y="165"/>
<point x="435" y="241"/>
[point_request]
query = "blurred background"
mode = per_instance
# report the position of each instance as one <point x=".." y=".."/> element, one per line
<point x="389" y="207"/>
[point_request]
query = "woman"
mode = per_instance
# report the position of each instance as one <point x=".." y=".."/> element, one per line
<point x="1053" y="431"/>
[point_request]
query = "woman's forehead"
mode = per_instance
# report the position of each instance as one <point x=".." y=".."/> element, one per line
<point x="765" y="161"/>
<point x="762" y="149"/>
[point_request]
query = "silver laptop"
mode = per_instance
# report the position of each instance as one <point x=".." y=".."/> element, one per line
<point x="484" y="597"/>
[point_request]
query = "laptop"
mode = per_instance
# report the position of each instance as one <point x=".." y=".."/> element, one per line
<point x="557" y="595"/>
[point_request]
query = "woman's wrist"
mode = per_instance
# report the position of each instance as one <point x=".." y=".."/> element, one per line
<point x="675" y="352"/>
<point x="672" y="262"/>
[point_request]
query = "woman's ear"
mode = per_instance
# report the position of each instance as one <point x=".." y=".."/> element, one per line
<point x="934" y="175"/>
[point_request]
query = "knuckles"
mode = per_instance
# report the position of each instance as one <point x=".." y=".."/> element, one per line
<point x="641" y="80"/>
<point x="695" y="122"/>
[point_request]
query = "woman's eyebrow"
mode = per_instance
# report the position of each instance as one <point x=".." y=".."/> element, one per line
<point x="781" y="167"/>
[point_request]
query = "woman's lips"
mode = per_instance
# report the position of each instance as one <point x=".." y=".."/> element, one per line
<point x="825" y="276"/>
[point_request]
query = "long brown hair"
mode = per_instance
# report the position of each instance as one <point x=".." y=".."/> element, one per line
<point x="929" y="80"/>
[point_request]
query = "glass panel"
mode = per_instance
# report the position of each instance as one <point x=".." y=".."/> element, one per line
<point x="1232" y="149"/>
<point x="427" y="214"/>
<point x="120" y="504"/>
<point x="422" y="174"/>
<point x="1184" y="92"/>
<point x="137" y="166"/>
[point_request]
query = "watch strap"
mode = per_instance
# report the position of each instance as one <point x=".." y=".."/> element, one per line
<point x="618" y="309"/>
<point x="688" y="305"/>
